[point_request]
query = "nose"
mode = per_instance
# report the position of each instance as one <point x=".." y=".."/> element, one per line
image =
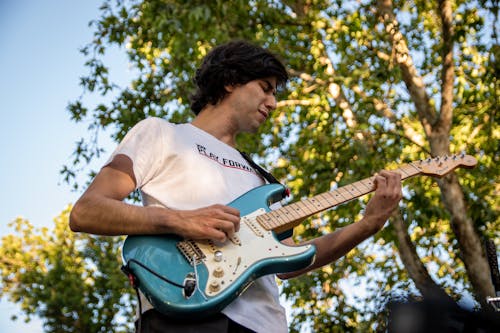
<point x="271" y="102"/>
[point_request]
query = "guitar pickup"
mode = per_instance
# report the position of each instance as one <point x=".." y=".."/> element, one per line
<point x="235" y="239"/>
<point x="256" y="228"/>
<point x="191" y="251"/>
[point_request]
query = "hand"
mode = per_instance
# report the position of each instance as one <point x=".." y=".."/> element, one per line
<point x="387" y="196"/>
<point x="216" y="222"/>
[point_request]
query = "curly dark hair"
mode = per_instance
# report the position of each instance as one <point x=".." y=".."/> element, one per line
<point x="233" y="63"/>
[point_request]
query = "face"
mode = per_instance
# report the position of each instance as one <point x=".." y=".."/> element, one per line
<point x="252" y="103"/>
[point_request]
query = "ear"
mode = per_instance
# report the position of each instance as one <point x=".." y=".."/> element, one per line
<point x="229" y="88"/>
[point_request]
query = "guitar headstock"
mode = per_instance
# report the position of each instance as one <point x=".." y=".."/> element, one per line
<point x="442" y="165"/>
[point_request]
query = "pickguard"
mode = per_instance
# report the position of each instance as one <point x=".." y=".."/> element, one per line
<point x="227" y="261"/>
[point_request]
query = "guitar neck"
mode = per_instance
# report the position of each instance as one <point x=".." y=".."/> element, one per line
<point x="289" y="216"/>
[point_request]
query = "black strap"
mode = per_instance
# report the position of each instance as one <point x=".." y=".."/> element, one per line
<point x="263" y="172"/>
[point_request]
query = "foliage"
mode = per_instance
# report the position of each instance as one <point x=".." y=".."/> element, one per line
<point x="72" y="281"/>
<point x="366" y="93"/>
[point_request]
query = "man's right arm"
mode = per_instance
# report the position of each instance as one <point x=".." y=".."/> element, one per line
<point x="102" y="211"/>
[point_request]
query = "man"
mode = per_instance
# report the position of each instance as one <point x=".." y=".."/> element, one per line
<point x="188" y="172"/>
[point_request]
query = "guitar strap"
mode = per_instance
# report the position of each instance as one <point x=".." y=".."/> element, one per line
<point x="264" y="173"/>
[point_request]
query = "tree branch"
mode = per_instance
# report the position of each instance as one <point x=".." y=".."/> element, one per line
<point x="447" y="74"/>
<point x="416" y="269"/>
<point x="412" y="79"/>
<point x="385" y="111"/>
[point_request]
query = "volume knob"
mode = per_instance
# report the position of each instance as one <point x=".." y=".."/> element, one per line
<point x="218" y="256"/>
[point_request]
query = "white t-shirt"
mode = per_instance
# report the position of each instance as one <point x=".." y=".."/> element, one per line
<point x="183" y="167"/>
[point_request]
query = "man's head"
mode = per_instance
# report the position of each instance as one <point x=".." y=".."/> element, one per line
<point x="233" y="63"/>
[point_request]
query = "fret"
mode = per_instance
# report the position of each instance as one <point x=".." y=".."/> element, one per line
<point x="334" y="199"/>
<point x="264" y="218"/>
<point x="303" y="210"/>
<point x="273" y="219"/>
<point x="323" y="201"/>
<point x="316" y="203"/>
<point x="305" y="207"/>
<point x="276" y="215"/>
<point x="405" y="172"/>
<point x="291" y="212"/>
<point x="354" y="190"/>
<point x="367" y="184"/>
<point x="338" y="194"/>
<point x="412" y="170"/>
<point x="344" y="193"/>
<point x="327" y="198"/>
<point x="265" y="221"/>
<point x="311" y="206"/>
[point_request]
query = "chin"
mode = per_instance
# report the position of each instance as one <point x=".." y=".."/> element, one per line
<point x="252" y="130"/>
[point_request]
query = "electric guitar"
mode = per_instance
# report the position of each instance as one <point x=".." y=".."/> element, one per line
<point x="183" y="278"/>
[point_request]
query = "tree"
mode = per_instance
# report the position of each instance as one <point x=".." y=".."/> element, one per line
<point x="374" y="84"/>
<point x="69" y="280"/>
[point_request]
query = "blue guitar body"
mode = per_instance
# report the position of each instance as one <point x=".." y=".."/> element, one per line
<point x="210" y="275"/>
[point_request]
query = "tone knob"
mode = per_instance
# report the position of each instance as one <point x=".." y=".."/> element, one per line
<point x="218" y="272"/>
<point x="214" y="286"/>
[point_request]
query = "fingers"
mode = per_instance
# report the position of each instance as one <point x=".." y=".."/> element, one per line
<point x="228" y="218"/>
<point x="216" y="222"/>
<point x="388" y="193"/>
<point x="388" y="184"/>
<point x="221" y="232"/>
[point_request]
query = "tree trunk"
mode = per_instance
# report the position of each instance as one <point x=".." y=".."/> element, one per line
<point x="437" y="129"/>
<point x="471" y="248"/>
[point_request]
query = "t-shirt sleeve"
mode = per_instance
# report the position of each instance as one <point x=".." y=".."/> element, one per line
<point x="144" y="144"/>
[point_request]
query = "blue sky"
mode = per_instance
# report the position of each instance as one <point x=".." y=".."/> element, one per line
<point x="40" y="66"/>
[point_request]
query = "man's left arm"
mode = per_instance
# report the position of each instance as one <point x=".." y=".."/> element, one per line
<point x="333" y="246"/>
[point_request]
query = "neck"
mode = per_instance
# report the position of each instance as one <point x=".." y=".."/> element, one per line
<point x="213" y="120"/>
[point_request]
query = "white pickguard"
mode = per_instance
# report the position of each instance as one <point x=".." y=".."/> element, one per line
<point x="255" y="244"/>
